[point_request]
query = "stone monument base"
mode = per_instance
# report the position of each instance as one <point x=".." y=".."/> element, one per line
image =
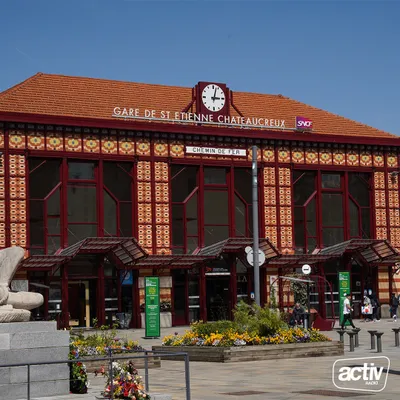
<point x="26" y="342"/>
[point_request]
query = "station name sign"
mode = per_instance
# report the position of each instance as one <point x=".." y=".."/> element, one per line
<point x="206" y="119"/>
<point x="217" y="151"/>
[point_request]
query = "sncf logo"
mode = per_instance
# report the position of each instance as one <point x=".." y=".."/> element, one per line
<point x="303" y="123"/>
<point x="370" y="374"/>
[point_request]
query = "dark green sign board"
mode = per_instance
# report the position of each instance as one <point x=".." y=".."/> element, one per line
<point x="344" y="288"/>
<point x="152" y="302"/>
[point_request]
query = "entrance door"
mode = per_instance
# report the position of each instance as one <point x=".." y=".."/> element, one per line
<point x="180" y="297"/>
<point x="218" y="306"/>
<point x="79" y="303"/>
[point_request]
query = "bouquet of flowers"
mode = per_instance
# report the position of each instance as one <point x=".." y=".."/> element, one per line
<point x="78" y="380"/>
<point x="126" y="383"/>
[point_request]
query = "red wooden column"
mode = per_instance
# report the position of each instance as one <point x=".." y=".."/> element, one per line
<point x="136" y="319"/>
<point x="187" y="297"/>
<point x="119" y="289"/>
<point x="64" y="296"/>
<point x="250" y="278"/>
<point x="46" y="296"/>
<point x="263" y="288"/>
<point x="101" y="304"/>
<point x="233" y="285"/>
<point x="203" y="293"/>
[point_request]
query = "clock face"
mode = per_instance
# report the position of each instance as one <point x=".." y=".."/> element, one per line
<point x="213" y="97"/>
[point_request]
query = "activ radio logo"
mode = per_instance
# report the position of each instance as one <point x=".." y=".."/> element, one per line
<point x="366" y="374"/>
<point x="303" y="123"/>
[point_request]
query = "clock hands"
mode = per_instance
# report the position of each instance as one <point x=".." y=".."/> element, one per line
<point x="215" y="93"/>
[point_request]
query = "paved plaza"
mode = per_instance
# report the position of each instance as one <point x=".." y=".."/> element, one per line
<point x="272" y="380"/>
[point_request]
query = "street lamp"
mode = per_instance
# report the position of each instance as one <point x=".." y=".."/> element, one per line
<point x="256" y="261"/>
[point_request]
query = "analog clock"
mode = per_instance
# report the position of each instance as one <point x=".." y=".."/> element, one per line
<point x="213" y="97"/>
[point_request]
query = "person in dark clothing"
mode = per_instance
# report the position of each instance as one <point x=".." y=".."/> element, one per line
<point x="375" y="306"/>
<point x="394" y="304"/>
<point x="297" y="315"/>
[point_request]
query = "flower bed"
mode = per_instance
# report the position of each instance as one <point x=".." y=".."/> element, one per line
<point x="255" y="334"/>
<point x="231" y="338"/>
<point x="98" y="345"/>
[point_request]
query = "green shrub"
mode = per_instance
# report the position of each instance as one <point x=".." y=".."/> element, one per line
<point x="257" y="320"/>
<point x="203" y="329"/>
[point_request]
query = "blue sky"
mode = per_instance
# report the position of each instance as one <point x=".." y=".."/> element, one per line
<point x="342" y="56"/>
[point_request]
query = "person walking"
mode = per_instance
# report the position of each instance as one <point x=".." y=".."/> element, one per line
<point x="347" y="312"/>
<point x="375" y="305"/>
<point x="394" y="303"/>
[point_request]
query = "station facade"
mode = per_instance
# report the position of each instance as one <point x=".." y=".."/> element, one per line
<point x="105" y="182"/>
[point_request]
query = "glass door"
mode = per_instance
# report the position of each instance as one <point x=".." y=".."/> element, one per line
<point x="180" y="297"/>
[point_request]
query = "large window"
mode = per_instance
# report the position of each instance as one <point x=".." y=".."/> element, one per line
<point x="44" y="206"/>
<point x="71" y="200"/>
<point x="209" y="204"/>
<point x="330" y="207"/>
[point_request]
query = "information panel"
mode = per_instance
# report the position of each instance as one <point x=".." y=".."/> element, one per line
<point x="152" y="302"/>
<point x="344" y="288"/>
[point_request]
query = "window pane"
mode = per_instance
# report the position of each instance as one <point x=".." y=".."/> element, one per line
<point x="43" y="179"/>
<point x="110" y="215"/>
<point x="243" y="183"/>
<point x="332" y="210"/>
<point x="304" y="188"/>
<point x="354" y="219"/>
<point x="359" y="188"/>
<point x="80" y="232"/>
<point x="36" y="223"/>
<point x="250" y="216"/>
<point x="215" y="175"/>
<point x="332" y="236"/>
<point x="117" y="180"/>
<point x="311" y="215"/>
<point x="184" y="181"/>
<point x="192" y="244"/>
<point x="311" y="244"/>
<point x="81" y="170"/>
<point x="240" y="217"/>
<point x="299" y="235"/>
<point x="82" y="204"/>
<point x="215" y="234"/>
<point x="177" y="225"/>
<point x="53" y="204"/>
<point x="177" y="250"/>
<point x="331" y="181"/>
<point x="191" y="216"/>
<point x="53" y="244"/>
<point x="366" y="223"/>
<point x="53" y="226"/>
<point x="216" y="207"/>
<point x="125" y="219"/>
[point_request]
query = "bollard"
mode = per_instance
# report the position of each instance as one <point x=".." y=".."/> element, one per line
<point x="351" y="334"/>
<point x="341" y="333"/>
<point x="356" y="342"/>
<point x="379" y="341"/>
<point x="396" y="336"/>
<point x="372" y="333"/>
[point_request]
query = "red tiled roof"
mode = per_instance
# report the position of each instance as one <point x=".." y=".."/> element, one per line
<point x="59" y="95"/>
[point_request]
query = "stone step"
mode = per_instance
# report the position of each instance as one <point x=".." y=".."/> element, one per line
<point x="32" y="326"/>
<point x="49" y="389"/>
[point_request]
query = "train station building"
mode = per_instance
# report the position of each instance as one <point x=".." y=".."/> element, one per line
<point x="105" y="182"/>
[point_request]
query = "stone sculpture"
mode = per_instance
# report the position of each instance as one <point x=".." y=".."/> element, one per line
<point x="14" y="306"/>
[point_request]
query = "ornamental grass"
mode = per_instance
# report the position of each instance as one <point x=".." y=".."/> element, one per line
<point x="252" y="325"/>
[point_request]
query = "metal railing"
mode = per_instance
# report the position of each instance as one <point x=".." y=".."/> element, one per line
<point x="111" y="358"/>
